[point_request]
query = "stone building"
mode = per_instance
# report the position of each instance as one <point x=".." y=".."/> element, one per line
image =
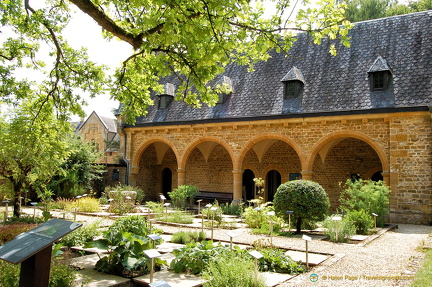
<point x="363" y="113"/>
<point x="102" y="132"/>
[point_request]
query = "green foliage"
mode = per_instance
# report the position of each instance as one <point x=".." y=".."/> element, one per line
<point x="25" y="219"/>
<point x="422" y="277"/>
<point x="306" y="198"/>
<point x="361" y="220"/>
<point x="60" y="275"/>
<point x="367" y="195"/>
<point x="126" y="254"/>
<point x="232" y="209"/>
<point x="345" y="229"/>
<point x="135" y="224"/>
<point x="156" y="207"/>
<point x="183" y="237"/>
<point x="122" y="187"/>
<point x="78" y="170"/>
<point x="81" y="236"/>
<point x="231" y="271"/>
<point x="195" y="257"/>
<point x="213" y="212"/>
<point x="275" y="260"/>
<point x="120" y="205"/>
<point x="32" y="150"/>
<point x="256" y="217"/>
<point x="182" y="195"/>
<point x="84" y="204"/>
<point x="10" y="231"/>
<point x="176" y="217"/>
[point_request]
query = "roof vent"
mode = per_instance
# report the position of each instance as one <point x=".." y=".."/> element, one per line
<point x="293" y="75"/>
<point x="166" y="98"/>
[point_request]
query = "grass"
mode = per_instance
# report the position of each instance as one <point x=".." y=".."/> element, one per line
<point x="423" y="276"/>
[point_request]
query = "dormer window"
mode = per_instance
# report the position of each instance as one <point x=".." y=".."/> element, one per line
<point x="229" y="85"/>
<point x="293" y="83"/>
<point x="166" y="98"/>
<point x="379" y="75"/>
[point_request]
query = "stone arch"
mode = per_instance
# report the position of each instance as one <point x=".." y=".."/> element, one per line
<point x="332" y="139"/>
<point x="137" y="155"/>
<point x="195" y="143"/>
<point x="266" y="136"/>
<point x="372" y="171"/>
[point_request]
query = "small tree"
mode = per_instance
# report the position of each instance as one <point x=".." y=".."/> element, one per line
<point x="306" y="198"/>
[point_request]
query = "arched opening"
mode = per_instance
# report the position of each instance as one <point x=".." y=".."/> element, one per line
<point x="273" y="182"/>
<point x="377" y="176"/>
<point x="248" y="185"/>
<point x="166" y="182"/>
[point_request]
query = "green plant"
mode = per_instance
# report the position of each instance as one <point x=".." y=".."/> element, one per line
<point x="83" y="204"/>
<point x="81" y="236"/>
<point x="232" y="209"/>
<point x="176" y="217"/>
<point x="25" y="219"/>
<point x="180" y="196"/>
<point x="121" y="187"/>
<point x="338" y="230"/>
<point x="126" y="254"/>
<point x="156" y="207"/>
<point x="213" y="213"/>
<point x="275" y="260"/>
<point x="231" y="271"/>
<point x="256" y="217"/>
<point x="119" y="204"/>
<point x="60" y="275"/>
<point x="195" y="257"/>
<point x="10" y="231"/>
<point x="183" y="237"/>
<point x="135" y="224"/>
<point x="422" y="277"/>
<point x="103" y="199"/>
<point x="60" y="203"/>
<point x="361" y="220"/>
<point x="367" y="195"/>
<point x="306" y="198"/>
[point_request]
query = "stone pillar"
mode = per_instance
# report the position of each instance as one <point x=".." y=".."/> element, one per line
<point x="181" y="177"/>
<point x="307" y="175"/>
<point x="133" y="175"/>
<point x="238" y="184"/>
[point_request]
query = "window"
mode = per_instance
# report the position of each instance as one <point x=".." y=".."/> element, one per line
<point x="292" y="89"/>
<point x="164" y="101"/>
<point x="379" y="81"/>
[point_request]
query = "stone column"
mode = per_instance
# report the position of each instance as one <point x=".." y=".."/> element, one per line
<point x="181" y="176"/>
<point x="238" y="184"/>
<point x="307" y="174"/>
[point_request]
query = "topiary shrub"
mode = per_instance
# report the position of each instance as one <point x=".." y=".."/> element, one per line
<point x="306" y="198"/>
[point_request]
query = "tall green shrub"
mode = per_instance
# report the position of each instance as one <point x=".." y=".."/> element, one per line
<point x="306" y="198"/>
<point x="367" y="195"/>
<point x="182" y="194"/>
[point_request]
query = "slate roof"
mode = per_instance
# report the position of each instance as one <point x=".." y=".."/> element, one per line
<point x="331" y="83"/>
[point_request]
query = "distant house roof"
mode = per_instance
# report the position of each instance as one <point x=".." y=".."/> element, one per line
<point x="331" y="83"/>
<point x="109" y="123"/>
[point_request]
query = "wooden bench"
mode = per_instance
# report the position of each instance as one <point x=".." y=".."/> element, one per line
<point x="211" y="196"/>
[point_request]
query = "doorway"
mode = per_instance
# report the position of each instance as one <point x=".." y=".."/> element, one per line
<point x="273" y="182"/>
<point x="166" y="182"/>
<point x="248" y="185"/>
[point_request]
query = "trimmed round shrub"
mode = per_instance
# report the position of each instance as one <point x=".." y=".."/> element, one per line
<point x="306" y="198"/>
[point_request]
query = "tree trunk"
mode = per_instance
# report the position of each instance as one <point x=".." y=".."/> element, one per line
<point x="298" y="225"/>
<point x="17" y="196"/>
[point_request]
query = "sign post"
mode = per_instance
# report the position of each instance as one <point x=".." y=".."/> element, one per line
<point x="307" y="239"/>
<point x="33" y="250"/>
<point x="257" y="256"/>
<point x="214" y="208"/>
<point x="152" y="253"/>
<point x="271" y="214"/>
<point x="6" y="212"/>
<point x="374" y="215"/>
<point x="231" y="235"/>
<point x="337" y="219"/>
<point x="289" y="212"/>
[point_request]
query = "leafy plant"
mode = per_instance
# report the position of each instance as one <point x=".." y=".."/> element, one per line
<point x="84" y="204"/>
<point x="156" y="207"/>
<point x="120" y="205"/>
<point x="306" y="198"/>
<point x="361" y="220"/>
<point x="275" y="260"/>
<point x="126" y="254"/>
<point x="182" y="194"/>
<point x="183" y="237"/>
<point x="367" y="195"/>
<point x="232" y="209"/>
<point x="121" y="187"/>
<point x="256" y="217"/>
<point x="81" y="236"/>
<point x="343" y="228"/>
<point x="135" y="224"/>
<point x="213" y="213"/>
<point x="232" y="271"/>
